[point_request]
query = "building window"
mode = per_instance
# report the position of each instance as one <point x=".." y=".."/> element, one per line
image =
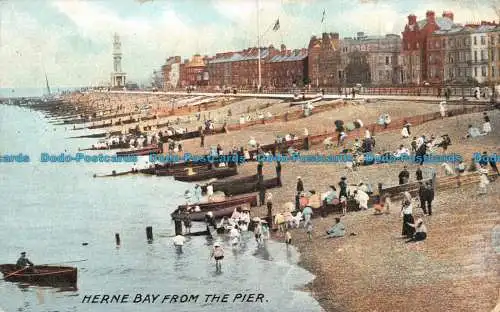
<point x="492" y="71"/>
<point x="483" y="71"/>
<point x="483" y="40"/>
<point x="475" y="71"/>
<point x="475" y="40"/>
<point x="483" y="56"/>
<point x="492" y="40"/>
<point x="444" y="43"/>
<point x="386" y="60"/>
<point x="492" y="54"/>
<point x="475" y="55"/>
<point x="459" y="72"/>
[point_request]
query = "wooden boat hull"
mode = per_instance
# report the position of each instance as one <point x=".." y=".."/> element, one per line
<point x="220" y="184"/>
<point x="232" y="189"/>
<point x="141" y="152"/>
<point x="218" y="213"/>
<point x="231" y="202"/>
<point x="115" y="174"/>
<point x="209" y="174"/>
<point x="40" y="275"/>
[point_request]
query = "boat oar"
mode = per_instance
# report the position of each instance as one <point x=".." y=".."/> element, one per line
<point x="64" y="262"/>
<point x="10" y="274"/>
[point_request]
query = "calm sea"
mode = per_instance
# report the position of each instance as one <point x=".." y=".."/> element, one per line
<point x="49" y="210"/>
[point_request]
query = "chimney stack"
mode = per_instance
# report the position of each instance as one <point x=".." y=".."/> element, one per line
<point x="431" y="16"/>
<point x="283" y="47"/>
<point x="448" y="14"/>
<point x="412" y="19"/>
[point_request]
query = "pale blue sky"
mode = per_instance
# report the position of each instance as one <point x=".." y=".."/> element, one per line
<point x="71" y="39"/>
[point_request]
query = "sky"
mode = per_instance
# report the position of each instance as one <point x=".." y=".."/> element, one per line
<point x="71" y="40"/>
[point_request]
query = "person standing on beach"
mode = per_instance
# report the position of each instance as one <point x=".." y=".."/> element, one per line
<point x="404" y="176"/>
<point x="257" y="231"/>
<point x="288" y="238"/>
<point x="278" y="172"/>
<point x="300" y="189"/>
<point x="427" y="198"/>
<point x="309" y="231"/>
<point x="260" y="167"/>
<point x="202" y="137"/>
<point x="343" y="187"/>
<point x="419" y="174"/>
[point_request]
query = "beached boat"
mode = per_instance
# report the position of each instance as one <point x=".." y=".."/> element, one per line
<point x="220" y="184"/>
<point x="152" y="149"/>
<point x="96" y="135"/>
<point x="208" y="174"/>
<point x="180" y="171"/>
<point x="218" y="212"/>
<point x="231" y="201"/>
<point x="40" y="274"/>
<point x="112" y="146"/>
<point x="232" y="188"/>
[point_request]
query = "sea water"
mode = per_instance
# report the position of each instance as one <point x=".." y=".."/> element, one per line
<point x="50" y="210"/>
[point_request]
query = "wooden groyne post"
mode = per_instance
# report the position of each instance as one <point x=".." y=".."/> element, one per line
<point x="149" y="233"/>
<point x="178" y="227"/>
<point x="117" y="239"/>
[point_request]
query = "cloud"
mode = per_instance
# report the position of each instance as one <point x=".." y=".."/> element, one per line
<point x="77" y="50"/>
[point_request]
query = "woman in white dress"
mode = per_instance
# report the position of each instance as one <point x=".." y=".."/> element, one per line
<point x="483" y="180"/>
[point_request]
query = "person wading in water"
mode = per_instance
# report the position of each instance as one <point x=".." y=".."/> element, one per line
<point x="218" y="254"/>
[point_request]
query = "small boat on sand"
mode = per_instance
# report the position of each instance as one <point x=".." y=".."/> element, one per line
<point x="207" y="174"/>
<point x="43" y="275"/>
<point x="152" y="149"/>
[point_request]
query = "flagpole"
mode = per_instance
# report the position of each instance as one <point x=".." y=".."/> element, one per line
<point x="258" y="44"/>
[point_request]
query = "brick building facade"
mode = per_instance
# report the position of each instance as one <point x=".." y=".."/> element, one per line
<point x="414" y="45"/>
<point x="370" y="60"/>
<point x="279" y="68"/>
<point x="324" y="60"/>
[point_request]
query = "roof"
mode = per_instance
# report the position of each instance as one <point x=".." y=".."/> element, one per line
<point x="286" y="58"/>
<point x="466" y="30"/>
<point x="241" y="56"/>
<point x="444" y="23"/>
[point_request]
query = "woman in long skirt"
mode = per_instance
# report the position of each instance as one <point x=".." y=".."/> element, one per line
<point x="407" y="214"/>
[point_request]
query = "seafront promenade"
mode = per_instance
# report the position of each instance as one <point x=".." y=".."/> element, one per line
<point x="308" y="96"/>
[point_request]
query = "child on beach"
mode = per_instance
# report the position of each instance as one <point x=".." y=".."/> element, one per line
<point x="288" y="238"/>
<point x="265" y="231"/>
<point x="218" y="254"/>
<point x="309" y="230"/>
<point x="343" y="202"/>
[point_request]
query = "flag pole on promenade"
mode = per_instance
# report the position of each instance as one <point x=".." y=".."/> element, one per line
<point x="258" y="45"/>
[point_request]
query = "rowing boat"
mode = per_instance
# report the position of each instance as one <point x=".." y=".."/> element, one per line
<point x="152" y="149"/>
<point x="40" y="274"/>
<point x="218" y="212"/>
<point x="115" y="174"/>
<point x="231" y="201"/>
<point x="231" y="188"/>
<point x="180" y="171"/>
<point x="208" y="174"/>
